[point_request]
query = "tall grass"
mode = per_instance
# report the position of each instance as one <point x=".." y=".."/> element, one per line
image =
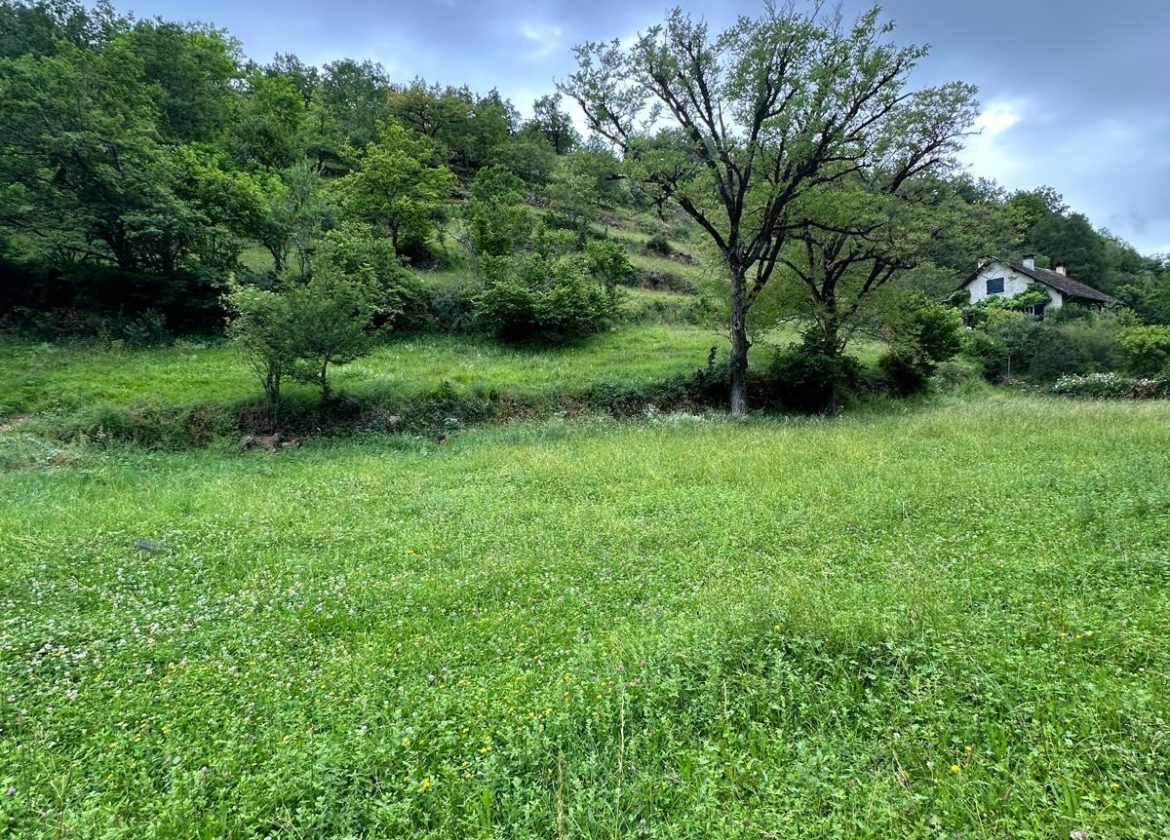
<point x="948" y="622"/>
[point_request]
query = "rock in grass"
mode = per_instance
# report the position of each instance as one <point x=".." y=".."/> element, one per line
<point x="151" y="547"/>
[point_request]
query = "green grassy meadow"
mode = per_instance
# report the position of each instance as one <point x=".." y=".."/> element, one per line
<point x="945" y="621"/>
<point x="62" y="377"/>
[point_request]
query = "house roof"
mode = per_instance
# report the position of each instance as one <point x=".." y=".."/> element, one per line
<point x="1063" y="284"/>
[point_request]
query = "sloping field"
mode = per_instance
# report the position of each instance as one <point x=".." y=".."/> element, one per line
<point x="946" y="623"/>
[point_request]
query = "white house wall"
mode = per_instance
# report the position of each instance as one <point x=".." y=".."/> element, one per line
<point x="1014" y="284"/>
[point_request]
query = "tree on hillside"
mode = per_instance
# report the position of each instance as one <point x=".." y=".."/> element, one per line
<point x="397" y="187"/>
<point x="552" y="124"/>
<point x="736" y="127"/>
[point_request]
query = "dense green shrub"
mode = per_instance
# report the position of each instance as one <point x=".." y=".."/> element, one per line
<point x="1104" y="386"/>
<point x="1050" y="352"/>
<point x="659" y="244"/>
<point x="811" y="378"/>
<point x="496" y="215"/>
<point x="900" y="373"/>
<point x="608" y="262"/>
<point x="146" y="329"/>
<point x="534" y="297"/>
<point x="1011" y="345"/>
<point x="97" y="301"/>
<point x="919" y="335"/>
<point x="1145" y="350"/>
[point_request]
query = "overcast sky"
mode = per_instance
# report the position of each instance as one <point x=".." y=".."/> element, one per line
<point x="1075" y="93"/>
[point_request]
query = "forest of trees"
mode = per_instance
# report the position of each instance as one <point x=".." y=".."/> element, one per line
<point x="142" y="161"/>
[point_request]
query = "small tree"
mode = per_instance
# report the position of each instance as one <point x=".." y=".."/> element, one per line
<point x="496" y="213"/>
<point x="303" y="328"/>
<point x="330" y="322"/>
<point x="398" y="187"/>
<point x="259" y="326"/>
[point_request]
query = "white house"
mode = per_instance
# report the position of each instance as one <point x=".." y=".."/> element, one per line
<point x="1002" y="278"/>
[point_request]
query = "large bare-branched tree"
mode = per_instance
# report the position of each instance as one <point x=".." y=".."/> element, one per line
<point x="736" y="127"/>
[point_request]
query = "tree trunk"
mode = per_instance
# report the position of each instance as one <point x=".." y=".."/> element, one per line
<point x="324" y="379"/>
<point x="739" y="343"/>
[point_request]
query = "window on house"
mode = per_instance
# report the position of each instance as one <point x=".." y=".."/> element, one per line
<point x="995" y="286"/>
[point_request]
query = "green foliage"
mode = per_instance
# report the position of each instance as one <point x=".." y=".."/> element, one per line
<point x="496" y="213"/>
<point x="465" y="129"/>
<point x="609" y="262"/>
<point x="305" y="327"/>
<point x="532" y="159"/>
<point x="552" y="125"/>
<point x="1015" y="345"/>
<point x="397" y="187"/>
<point x="551" y="299"/>
<point x="919" y="335"/>
<point x="260" y="327"/>
<point x="330" y="319"/>
<point x="659" y="244"/>
<point x="812" y="376"/>
<point x="1146" y="350"/>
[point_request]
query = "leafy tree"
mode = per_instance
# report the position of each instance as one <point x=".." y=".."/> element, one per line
<point x="496" y="213"/>
<point x="355" y="250"/>
<point x="852" y="237"/>
<point x="195" y="69"/>
<point x="1071" y="240"/>
<point x="465" y="129"/>
<point x="331" y="321"/>
<point x="530" y="158"/>
<point x="296" y="213"/>
<point x="1146" y="350"/>
<point x="609" y="262"/>
<point x="398" y="187"/>
<point x="353" y="99"/>
<point x="303" y="328"/>
<point x="552" y="125"/>
<point x="760" y="114"/>
<point x="88" y="177"/>
<point x="919" y="335"/>
<point x="572" y="197"/>
<point x="271" y="128"/>
<point x="259" y="324"/>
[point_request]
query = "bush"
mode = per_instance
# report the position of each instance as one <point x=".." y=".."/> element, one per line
<point x="533" y="297"/>
<point x="901" y="374"/>
<point x="1017" y="346"/>
<point x="659" y="244"/>
<point x="1050" y="352"/>
<point x="1112" y="386"/>
<point x="1145" y="350"/>
<point x="810" y="378"/>
<point x="96" y="301"/>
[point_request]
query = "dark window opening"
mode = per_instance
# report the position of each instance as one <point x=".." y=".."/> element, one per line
<point x="995" y="286"/>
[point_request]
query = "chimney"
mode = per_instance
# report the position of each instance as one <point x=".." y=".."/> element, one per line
<point x="1060" y="269"/>
<point x="1029" y="260"/>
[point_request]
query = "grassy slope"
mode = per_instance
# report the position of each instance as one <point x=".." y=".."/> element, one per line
<point x="47" y="377"/>
<point x="948" y="623"/>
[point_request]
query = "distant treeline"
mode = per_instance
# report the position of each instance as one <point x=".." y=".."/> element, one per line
<point x="141" y="161"/>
